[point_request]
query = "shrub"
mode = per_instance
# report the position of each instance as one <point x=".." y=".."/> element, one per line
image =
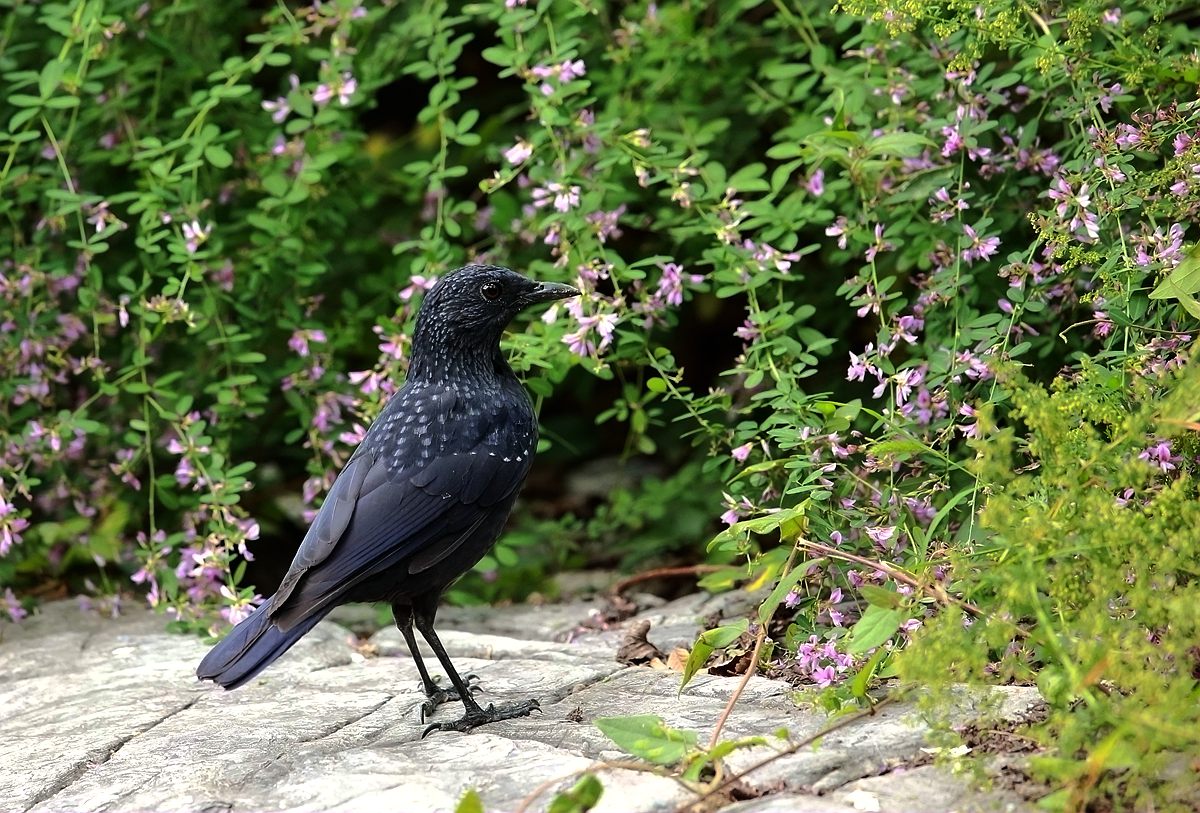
<point x="895" y="225"/>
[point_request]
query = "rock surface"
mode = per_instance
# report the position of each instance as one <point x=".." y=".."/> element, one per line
<point x="99" y="714"/>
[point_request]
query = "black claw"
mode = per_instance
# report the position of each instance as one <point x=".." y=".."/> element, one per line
<point x="475" y="718"/>
<point x="439" y="696"/>
<point x="432" y="701"/>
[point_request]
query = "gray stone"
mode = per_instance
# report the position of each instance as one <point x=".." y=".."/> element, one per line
<point x="925" y="789"/>
<point x="788" y="803"/>
<point x="105" y="715"/>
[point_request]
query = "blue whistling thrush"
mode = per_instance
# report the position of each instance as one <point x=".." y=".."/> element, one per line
<point x="423" y="497"/>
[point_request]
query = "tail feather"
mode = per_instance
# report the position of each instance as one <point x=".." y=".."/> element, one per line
<point x="251" y="647"/>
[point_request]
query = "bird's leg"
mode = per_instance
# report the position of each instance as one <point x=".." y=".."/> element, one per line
<point x="476" y="715"/>
<point x="434" y="695"/>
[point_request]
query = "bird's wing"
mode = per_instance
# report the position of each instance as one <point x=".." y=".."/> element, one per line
<point x="383" y="509"/>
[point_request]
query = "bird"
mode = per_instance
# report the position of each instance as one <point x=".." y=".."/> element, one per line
<point x="423" y="497"/>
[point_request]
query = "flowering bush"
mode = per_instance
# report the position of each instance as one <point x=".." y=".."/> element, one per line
<point x="894" y="226"/>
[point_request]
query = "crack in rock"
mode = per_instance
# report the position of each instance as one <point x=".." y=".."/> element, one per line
<point x="347" y="723"/>
<point x="100" y="756"/>
<point x="560" y="695"/>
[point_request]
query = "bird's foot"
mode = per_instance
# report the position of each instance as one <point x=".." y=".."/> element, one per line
<point x="480" y="716"/>
<point x="438" y="696"/>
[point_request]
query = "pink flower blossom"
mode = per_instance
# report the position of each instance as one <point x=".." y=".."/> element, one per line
<point x="742" y="452"/>
<point x="195" y="235"/>
<point x="518" y="153"/>
<point x="1160" y="455"/>
<point x="816" y="183"/>
<point x="981" y="248"/>
<point x="300" y="339"/>
<point x="563" y="197"/>
<point x="15" y="611"/>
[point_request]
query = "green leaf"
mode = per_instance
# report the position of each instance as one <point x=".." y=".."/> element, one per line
<point x="469" y="803"/>
<point x="581" y="798"/>
<point x="709" y="642"/>
<point x="218" y="156"/>
<point x="52" y="73"/>
<point x="880" y="596"/>
<point x="646" y="736"/>
<point x="897" y="447"/>
<point x="24" y="100"/>
<point x="759" y="525"/>
<point x="656" y="384"/>
<point x="1181" y="283"/>
<point x="901" y="145"/>
<point x="858" y="687"/>
<point x="876" y="626"/>
<point x="781" y="589"/>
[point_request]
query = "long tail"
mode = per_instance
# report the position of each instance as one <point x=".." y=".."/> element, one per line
<point x="251" y="647"/>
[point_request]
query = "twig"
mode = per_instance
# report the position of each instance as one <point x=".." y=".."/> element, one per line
<point x="829" y="729"/>
<point x="737" y="693"/>
<point x="596" y="767"/>
<point x="753" y="667"/>
<point x="660" y="573"/>
<point x="936" y="590"/>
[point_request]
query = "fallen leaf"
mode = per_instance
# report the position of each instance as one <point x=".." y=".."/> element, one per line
<point x="636" y="649"/>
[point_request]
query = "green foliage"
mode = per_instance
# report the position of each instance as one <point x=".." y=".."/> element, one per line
<point x="647" y="737"/>
<point x="580" y="798"/>
<point x="469" y="803"/>
<point x="209" y="273"/>
<point x="1093" y="550"/>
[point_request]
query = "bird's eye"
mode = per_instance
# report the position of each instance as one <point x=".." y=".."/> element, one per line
<point x="490" y="291"/>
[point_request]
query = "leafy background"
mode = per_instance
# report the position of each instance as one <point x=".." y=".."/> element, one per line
<point x="888" y="311"/>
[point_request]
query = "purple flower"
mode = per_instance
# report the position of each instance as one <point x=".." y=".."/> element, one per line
<point x="747" y="332"/>
<point x="1160" y="455"/>
<point x="670" y="285"/>
<point x="15" y="611"/>
<point x="518" y="153"/>
<point x="881" y="534"/>
<point x="607" y="223"/>
<point x="742" y="452"/>
<point x="571" y="70"/>
<point x="821" y="662"/>
<point x="195" y="235"/>
<point x="580" y="341"/>
<point x="824" y="676"/>
<point x="860" y="366"/>
<point x="300" y="339"/>
<point x="981" y="248"/>
<point x="970" y="430"/>
<point x="417" y="283"/>
<point x="879" y="245"/>
<point x="563" y="197"/>
<point x="816" y="183"/>
<point x="564" y="72"/>
<point x="767" y="255"/>
<point x="279" y="109"/>
<point x="839" y="228"/>
<point x="954" y="141"/>
<point x="343" y="88"/>
<point x="1127" y="136"/>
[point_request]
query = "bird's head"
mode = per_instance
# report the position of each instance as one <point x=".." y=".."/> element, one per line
<point x="468" y="309"/>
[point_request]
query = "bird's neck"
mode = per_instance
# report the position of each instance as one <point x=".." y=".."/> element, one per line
<point x="458" y="362"/>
